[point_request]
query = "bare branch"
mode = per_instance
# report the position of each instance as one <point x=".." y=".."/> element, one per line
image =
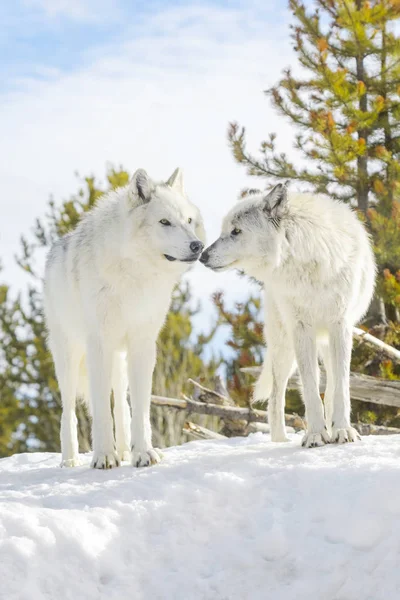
<point x="389" y="351"/>
<point x="201" y="433"/>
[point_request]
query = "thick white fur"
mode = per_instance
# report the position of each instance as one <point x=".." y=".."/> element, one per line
<point x="107" y="290"/>
<point x="315" y="260"/>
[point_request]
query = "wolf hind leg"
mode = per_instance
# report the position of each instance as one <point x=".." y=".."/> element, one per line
<point x="340" y="344"/>
<point x="282" y="370"/>
<point x="278" y="365"/>
<point x="283" y="365"/>
<point x="141" y="363"/>
<point x="99" y="364"/>
<point x="66" y="361"/>
<point x="324" y="351"/>
<point x="263" y="386"/>
<point x="306" y="356"/>
<point x="122" y="413"/>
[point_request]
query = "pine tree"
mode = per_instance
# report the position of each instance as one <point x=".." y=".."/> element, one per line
<point x="30" y="399"/>
<point x="180" y="356"/>
<point x="386" y="233"/>
<point x="10" y="411"/>
<point x="346" y="111"/>
<point x="244" y="341"/>
<point x="346" y="107"/>
<point x="27" y="376"/>
<point x="179" y="351"/>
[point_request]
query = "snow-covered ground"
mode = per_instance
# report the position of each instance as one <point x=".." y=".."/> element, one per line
<point x="237" y="519"/>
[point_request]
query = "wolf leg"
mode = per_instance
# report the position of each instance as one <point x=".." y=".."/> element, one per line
<point x="329" y="389"/>
<point x="278" y="365"/>
<point x="122" y="413"/>
<point x="280" y="354"/>
<point x="141" y="362"/>
<point x="283" y="363"/>
<point x="340" y="344"/>
<point x="99" y="363"/>
<point x="306" y="356"/>
<point x="66" y="362"/>
<point x="263" y="387"/>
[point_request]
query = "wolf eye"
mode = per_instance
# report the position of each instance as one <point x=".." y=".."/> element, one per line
<point x="236" y="231"/>
<point x="165" y="222"/>
<point x="189" y="219"/>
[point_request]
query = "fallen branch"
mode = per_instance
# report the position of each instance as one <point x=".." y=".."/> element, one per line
<point x="210" y="396"/>
<point x="362" y="387"/>
<point x="172" y="402"/>
<point x="201" y="433"/>
<point x="254" y="416"/>
<point x="369" y="429"/>
<point x="364" y="336"/>
<point x="224" y="412"/>
<point x="231" y="427"/>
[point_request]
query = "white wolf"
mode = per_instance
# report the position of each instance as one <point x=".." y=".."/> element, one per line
<point x="315" y="260"/>
<point x="108" y="286"/>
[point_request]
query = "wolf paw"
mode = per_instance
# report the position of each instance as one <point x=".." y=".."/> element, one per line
<point x="314" y="440"/>
<point x="279" y="437"/>
<point x="145" y="458"/>
<point x="102" y="460"/>
<point x="347" y="434"/>
<point x="71" y="462"/>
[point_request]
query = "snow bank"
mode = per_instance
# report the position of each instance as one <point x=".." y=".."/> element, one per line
<point x="237" y="519"/>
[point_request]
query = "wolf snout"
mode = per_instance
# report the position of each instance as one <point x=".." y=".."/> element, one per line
<point x="204" y="257"/>
<point x="196" y="247"/>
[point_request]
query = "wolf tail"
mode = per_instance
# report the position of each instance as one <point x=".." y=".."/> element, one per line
<point x="263" y="387"/>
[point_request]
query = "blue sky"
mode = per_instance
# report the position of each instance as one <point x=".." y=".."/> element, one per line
<point x="143" y="84"/>
<point x="40" y="37"/>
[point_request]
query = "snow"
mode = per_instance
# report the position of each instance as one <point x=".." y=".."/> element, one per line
<point x="225" y="520"/>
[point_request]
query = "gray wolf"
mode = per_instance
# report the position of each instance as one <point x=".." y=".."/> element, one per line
<point x="107" y="291"/>
<point x="314" y="258"/>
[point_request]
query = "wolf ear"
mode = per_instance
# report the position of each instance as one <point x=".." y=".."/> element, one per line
<point x="141" y="185"/>
<point x="176" y="181"/>
<point x="276" y="200"/>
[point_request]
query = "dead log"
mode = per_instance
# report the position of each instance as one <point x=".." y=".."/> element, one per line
<point x="237" y="412"/>
<point x="362" y="387"/>
<point x="255" y="416"/>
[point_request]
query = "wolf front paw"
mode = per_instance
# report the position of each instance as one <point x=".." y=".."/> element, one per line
<point x="145" y="458"/>
<point x="105" y="460"/>
<point x="314" y="440"/>
<point x="71" y="462"/>
<point x="344" y="435"/>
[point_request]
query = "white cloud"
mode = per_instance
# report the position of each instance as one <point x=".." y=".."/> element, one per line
<point x="162" y="99"/>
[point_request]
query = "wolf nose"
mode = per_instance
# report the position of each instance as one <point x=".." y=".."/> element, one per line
<point x="204" y="257"/>
<point x="196" y="247"/>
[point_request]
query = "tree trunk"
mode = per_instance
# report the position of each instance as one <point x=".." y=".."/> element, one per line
<point x="386" y="120"/>
<point x="362" y="161"/>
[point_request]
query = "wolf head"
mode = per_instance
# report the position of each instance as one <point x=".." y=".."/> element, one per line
<point x="251" y="234"/>
<point x="166" y="224"/>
